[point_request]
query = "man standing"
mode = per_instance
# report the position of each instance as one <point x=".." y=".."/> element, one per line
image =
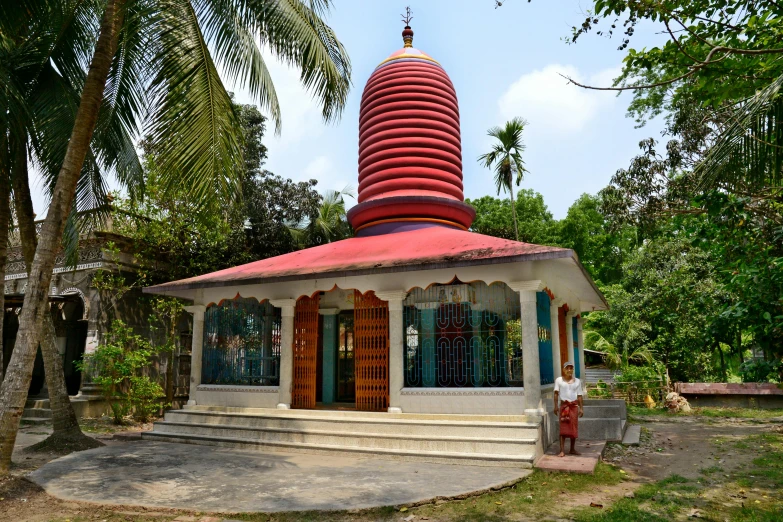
<point x="568" y="406"/>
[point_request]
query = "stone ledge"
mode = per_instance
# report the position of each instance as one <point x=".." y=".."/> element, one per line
<point x="722" y="388"/>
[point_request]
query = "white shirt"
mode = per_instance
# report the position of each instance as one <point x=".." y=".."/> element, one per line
<point x="568" y="390"/>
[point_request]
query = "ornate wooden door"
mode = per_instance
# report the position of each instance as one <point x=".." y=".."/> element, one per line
<point x="305" y="352"/>
<point x="371" y="352"/>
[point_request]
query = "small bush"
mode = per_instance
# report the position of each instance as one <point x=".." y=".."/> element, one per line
<point x="117" y="367"/>
<point x="759" y="370"/>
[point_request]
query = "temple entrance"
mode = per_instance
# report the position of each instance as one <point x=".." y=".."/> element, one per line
<point x="346" y="379"/>
<point x="341" y="351"/>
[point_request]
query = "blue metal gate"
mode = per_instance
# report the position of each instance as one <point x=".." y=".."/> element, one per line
<point x="577" y="369"/>
<point x="544" y="338"/>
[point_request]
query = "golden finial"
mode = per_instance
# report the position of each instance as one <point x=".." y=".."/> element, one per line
<point x="407" y="33"/>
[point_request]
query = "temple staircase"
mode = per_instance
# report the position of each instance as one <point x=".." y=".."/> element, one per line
<point x="486" y="440"/>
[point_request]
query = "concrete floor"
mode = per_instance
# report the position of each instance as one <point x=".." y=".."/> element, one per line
<point x="206" y="478"/>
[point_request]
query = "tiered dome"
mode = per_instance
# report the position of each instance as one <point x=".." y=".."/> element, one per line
<point x="410" y="154"/>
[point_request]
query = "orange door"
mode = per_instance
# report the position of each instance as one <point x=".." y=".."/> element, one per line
<point x="305" y="352"/>
<point x="371" y="352"/>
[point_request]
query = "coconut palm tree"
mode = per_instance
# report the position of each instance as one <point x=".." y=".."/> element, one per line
<point x="152" y="61"/>
<point x="330" y="224"/>
<point x="43" y="113"/>
<point x="506" y="159"/>
<point x="616" y="357"/>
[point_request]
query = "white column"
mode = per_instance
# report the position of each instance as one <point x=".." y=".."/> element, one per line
<point x="196" y="345"/>
<point x="396" y="346"/>
<point x="553" y="315"/>
<point x="570" y="335"/>
<point x="531" y="371"/>
<point x="580" y="337"/>
<point x="286" y="351"/>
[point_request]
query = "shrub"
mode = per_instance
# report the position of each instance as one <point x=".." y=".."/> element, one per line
<point x="759" y="370"/>
<point x="117" y="367"/>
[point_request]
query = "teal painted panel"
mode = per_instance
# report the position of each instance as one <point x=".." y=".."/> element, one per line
<point x="543" y="304"/>
<point x="330" y="358"/>
<point x="577" y="370"/>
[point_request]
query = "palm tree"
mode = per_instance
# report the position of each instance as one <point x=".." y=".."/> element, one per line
<point x="750" y="148"/>
<point x="37" y="125"/>
<point x="154" y="55"/>
<point x="330" y="224"/>
<point x="506" y="158"/>
<point x="616" y="357"/>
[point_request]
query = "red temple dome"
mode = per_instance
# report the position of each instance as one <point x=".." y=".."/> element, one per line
<point x="410" y="154"/>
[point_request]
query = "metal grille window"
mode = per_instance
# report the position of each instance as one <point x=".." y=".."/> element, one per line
<point x="241" y="343"/>
<point x="462" y="335"/>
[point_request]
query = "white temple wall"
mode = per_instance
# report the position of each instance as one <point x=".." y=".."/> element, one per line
<point x="236" y="396"/>
<point x="489" y="401"/>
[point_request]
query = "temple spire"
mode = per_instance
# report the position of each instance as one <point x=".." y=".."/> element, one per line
<point x="407" y="33"/>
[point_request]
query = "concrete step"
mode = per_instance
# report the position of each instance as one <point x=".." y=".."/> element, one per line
<point x="611" y="429"/>
<point x="601" y="412"/>
<point x="632" y="435"/>
<point x="413" y="425"/>
<point x="37" y="403"/>
<point x="36" y="420"/>
<point x="42" y="413"/>
<point x="398" y="442"/>
<point x="476" y="459"/>
<point x="356" y="414"/>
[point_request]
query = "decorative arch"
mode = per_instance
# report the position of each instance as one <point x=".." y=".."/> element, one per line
<point x="85" y="300"/>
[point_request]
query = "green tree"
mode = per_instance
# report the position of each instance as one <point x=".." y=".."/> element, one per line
<point x="506" y="160"/>
<point x="535" y="222"/>
<point x="663" y="304"/>
<point x="587" y="231"/>
<point x="192" y="118"/>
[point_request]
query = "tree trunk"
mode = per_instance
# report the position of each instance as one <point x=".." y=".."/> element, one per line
<point x="722" y="363"/>
<point x="5" y="220"/>
<point x="65" y="425"/>
<point x="514" y="210"/>
<point x="13" y="393"/>
<point x="739" y="345"/>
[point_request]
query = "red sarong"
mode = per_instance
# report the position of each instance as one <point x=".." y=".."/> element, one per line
<point x="569" y="419"/>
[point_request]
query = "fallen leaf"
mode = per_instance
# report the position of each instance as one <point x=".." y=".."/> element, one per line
<point x="543" y="483"/>
<point x="593" y="504"/>
<point x="499" y="503"/>
<point x="403" y="509"/>
<point x="623" y="472"/>
<point x="694" y="513"/>
<point x="758" y="502"/>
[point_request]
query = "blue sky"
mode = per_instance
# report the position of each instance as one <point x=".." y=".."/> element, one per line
<point x="503" y="63"/>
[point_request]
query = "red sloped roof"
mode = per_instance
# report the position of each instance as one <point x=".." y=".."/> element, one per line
<point x="426" y="248"/>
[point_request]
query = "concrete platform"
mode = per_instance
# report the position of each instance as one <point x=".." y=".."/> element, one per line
<point x="205" y="478"/>
<point x="591" y="451"/>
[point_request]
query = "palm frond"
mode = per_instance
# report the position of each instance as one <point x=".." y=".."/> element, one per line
<point x="229" y="31"/>
<point x="295" y="32"/>
<point x="195" y="129"/>
<point x="750" y="148"/>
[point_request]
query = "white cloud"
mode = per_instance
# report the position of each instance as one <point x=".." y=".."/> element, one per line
<point x="548" y="101"/>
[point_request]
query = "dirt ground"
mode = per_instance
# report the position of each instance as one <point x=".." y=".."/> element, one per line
<point x="697" y="448"/>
